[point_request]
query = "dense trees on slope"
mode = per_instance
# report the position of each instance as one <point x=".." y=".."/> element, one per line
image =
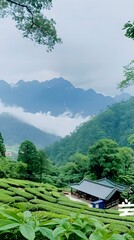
<point x="32" y="164"/>
<point x="115" y="123"/>
<point x="104" y="159"/>
<point x="30" y="19"/>
<point x="107" y="159"/>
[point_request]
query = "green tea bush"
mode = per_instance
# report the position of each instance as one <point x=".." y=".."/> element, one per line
<point x="21" y="192"/>
<point x="3" y="185"/>
<point x="47" y="215"/>
<point x="43" y="190"/>
<point x="20" y="199"/>
<point x="55" y="194"/>
<point x="35" y="184"/>
<point x="50" y="187"/>
<point x="23" y="206"/>
<point x="49" y="198"/>
<point x="7" y="192"/>
<point x="6" y="199"/>
<point x="11" y="182"/>
<point x="118" y="228"/>
<point x="53" y="209"/>
<point x="73" y="204"/>
<point x="37" y="193"/>
<point x="34" y="191"/>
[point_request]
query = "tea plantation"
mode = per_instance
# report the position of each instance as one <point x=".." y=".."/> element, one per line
<point x="45" y="201"/>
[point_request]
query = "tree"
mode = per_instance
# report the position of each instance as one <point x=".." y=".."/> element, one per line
<point x="28" y="154"/>
<point x="43" y="163"/>
<point x="107" y="159"/>
<point x="74" y="170"/>
<point x="12" y="169"/>
<point x="2" y="146"/>
<point x="129" y="69"/>
<point x="29" y="18"/>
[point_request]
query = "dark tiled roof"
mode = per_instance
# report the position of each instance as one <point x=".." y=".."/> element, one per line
<point x="108" y="182"/>
<point x="104" y="190"/>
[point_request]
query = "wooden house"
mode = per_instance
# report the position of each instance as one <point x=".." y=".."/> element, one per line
<point x="104" y="189"/>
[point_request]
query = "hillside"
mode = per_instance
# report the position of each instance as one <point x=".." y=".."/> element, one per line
<point x="15" y="131"/>
<point x="56" y="96"/>
<point x="117" y="123"/>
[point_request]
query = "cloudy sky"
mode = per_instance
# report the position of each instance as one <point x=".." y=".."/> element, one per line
<point x="92" y="55"/>
<point x="93" y="52"/>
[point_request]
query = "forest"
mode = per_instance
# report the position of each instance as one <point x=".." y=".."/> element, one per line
<point x="102" y="147"/>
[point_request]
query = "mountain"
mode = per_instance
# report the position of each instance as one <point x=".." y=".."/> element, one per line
<point x="56" y="96"/>
<point x="15" y="131"/>
<point x="116" y="123"/>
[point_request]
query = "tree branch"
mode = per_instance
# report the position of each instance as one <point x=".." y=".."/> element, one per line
<point x="24" y="6"/>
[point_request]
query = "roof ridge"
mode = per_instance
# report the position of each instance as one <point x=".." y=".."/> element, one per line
<point x="95" y="183"/>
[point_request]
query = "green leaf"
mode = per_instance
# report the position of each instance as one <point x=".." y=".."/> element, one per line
<point x="58" y="231"/>
<point x="95" y="236"/>
<point x="27" y="214"/>
<point x="27" y="231"/>
<point x="47" y="232"/>
<point x="7" y="224"/>
<point x="117" y="237"/>
<point x="10" y="215"/>
<point x="80" y="234"/>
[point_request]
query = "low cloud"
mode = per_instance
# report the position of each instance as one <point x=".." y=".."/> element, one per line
<point x="61" y="125"/>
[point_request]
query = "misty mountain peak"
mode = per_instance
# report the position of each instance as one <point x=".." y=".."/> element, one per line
<point x="59" y="82"/>
<point x="56" y="96"/>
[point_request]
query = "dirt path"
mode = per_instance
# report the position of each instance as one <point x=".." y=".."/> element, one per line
<point x="77" y="199"/>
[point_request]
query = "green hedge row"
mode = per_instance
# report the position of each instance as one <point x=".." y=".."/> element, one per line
<point x="109" y="216"/>
<point x="20" y="199"/>
<point x="73" y="204"/>
<point x="3" y="191"/>
<point x="52" y="209"/>
<point x="23" y="206"/>
<point x="56" y="194"/>
<point x="21" y="192"/>
<point x="49" y="215"/>
<point x="50" y="187"/>
<point x="6" y="199"/>
<point x="43" y="190"/>
<point x="37" y="192"/>
<point x="3" y="185"/>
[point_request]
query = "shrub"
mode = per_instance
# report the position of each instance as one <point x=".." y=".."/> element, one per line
<point x="20" y="199"/>
<point x="118" y="228"/>
<point x="5" y="198"/>
<point x="3" y="185"/>
<point x="48" y="215"/>
<point x="21" y="192"/>
<point x="53" y="209"/>
<point x="3" y="191"/>
<point x="23" y="206"/>
<point x="49" y="187"/>
<point x="55" y="194"/>
<point x="43" y="190"/>
<point x="36" y="192"/>
<point x="49" y="198"/>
